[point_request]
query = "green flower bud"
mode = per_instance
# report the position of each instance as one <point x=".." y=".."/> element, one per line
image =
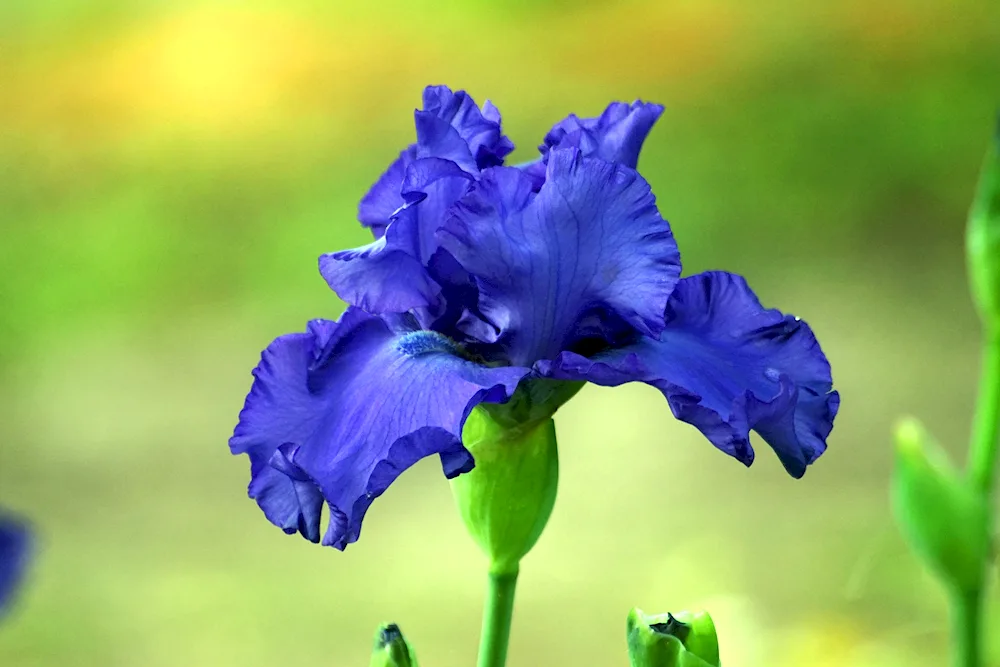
<point x="506" y="500"/>
<point x="701" y="637"/>
<point x="391" y="649"/>
<point x="982" y="239"/>
<point x="943" y="519"/>
<point x="666" y="640"/>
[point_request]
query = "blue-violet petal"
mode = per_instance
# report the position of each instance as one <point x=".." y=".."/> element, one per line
<point x="337" y="413"/>
<point x="728" y="365"/>
<point x="15" y="545"/>
<point x="616" y="135"/>
<point x="590" y="241"/>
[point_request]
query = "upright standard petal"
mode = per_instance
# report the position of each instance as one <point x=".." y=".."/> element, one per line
<point x="337" y="413"/>
<point x="451" y="127"/>
<point x="590" y="242"/>
<point x="407" y="205"/>
<point x="390" y="274"/>
<point x="478" y="129"/>
<point x="14" y="547"/>
<point x="616" y="135"/>
<point x="728" y="365"/>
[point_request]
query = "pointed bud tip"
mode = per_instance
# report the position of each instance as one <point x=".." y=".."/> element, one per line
<point x="668" y="640"/>
<point x="672" y="627"/>
<point x="916" y="448"/>
<point x="390" y="648"/>
<point x="388" y="634"/>
<point x="909" y="433"/>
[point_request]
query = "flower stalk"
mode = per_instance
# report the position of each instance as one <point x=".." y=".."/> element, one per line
<point x="983" y="251"/>
<point x="966" y="613"/>
<point x="967" y="607"/>
<point x="947" y="515"/>
<point x="986" y="424"/>
<point x="497" y="617"/>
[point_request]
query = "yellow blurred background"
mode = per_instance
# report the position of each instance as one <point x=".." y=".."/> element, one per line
<point x="170" y="171"/>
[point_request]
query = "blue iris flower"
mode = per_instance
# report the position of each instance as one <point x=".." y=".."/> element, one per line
<point x="484" y="278"/>
<point x="14" y="548"/>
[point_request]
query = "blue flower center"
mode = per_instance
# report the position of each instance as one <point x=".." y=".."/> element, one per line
<point x="417" y="343"/>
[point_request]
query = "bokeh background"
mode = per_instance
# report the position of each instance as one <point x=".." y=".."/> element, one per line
<point x="170" y="171"/>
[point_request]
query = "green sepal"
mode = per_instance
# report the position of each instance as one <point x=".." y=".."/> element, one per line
<point x="534" y="401"/>
<point x="982" y="239"/>
<point x="685" y="639"/>
<point x="506" y="500"/>
<point x="944" y="520"/>
<point x="390" y="648"/>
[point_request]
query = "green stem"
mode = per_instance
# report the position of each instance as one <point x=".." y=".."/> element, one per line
<point x="496" y="619"/>
<point x="967" y="606"/>
<point x="966" y="609"/>
<point x="983" y="448"/>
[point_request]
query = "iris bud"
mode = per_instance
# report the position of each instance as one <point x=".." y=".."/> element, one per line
<point x="391" y="649"/>
<point x="982" y="239"/>
<point x="684" y="639"/>
<point x="506" y="500"/>
<point x="944" y="520"/>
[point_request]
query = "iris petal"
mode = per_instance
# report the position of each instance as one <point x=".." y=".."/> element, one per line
<point x="384" y="198"/>
<point x="14" y="547"/>
<point x="337" y="413"/>
<point x="479" y="130"/>
<point x="436" y="137"/>
<point x="380" y="277"/>
<point x="591" y="241"/>
<point x="616" y="135"/>
<point x="450" y="126"/>
<point x="390" y="274"/>
<point x="728" y="365"/>
<point x="278" y="409"/>
<point x="406" y="206"/>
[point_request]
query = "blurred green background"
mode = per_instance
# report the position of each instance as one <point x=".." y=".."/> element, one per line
<point x="170" y="171"/>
